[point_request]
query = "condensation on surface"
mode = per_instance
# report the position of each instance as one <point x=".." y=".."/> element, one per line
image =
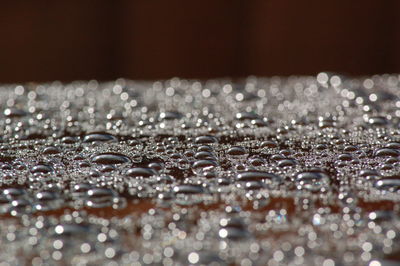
<point x="260" y="171"/>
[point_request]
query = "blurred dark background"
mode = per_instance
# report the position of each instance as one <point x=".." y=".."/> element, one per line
<point x="103" y="39"/>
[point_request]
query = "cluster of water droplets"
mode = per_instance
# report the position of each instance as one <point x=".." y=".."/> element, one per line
<point x="261" y="171"/>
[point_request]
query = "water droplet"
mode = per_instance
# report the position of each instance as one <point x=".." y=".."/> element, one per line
<point x="246" y="116"/>
<point x="42" y="168"/>
<point x="141" y="172"/>
<point x="393" y="145"/>
<point x="71" y="230"/>
<point x="286" y="162"/>
<point x="99" y="137"/>
<point x="201" y="166"/>
<point x="13" y="193"/>
<point x="236" y="151"/>
<point x="388" y="184"/>
<point x="385" y="152"/>
<point x="51" y="150"/>
<point x="205" y="140"/>
<point x="110" y="158"/>
<point x="188" y="189"/>
<point x="170" y="115"/>
<point x="14" y="112"/>
<point x="313" y="181"/>
<point x="100" y="197"/>
<point x="204" y="155"/>
<point x="269" y="144"/>
<point x="378" y="121"/>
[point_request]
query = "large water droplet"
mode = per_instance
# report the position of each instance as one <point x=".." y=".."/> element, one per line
<point x="99" y="137"/>
<point x="313" y="181"/>
<point x="110" y="158"/>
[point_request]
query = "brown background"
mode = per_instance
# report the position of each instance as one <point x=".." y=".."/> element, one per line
<point x="150" y="39"/>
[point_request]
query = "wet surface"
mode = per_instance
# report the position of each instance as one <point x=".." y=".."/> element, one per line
<point x="262" y="171"/>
